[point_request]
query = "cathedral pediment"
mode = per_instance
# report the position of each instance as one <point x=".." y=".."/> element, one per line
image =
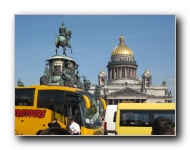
<point x="127" y="91"/>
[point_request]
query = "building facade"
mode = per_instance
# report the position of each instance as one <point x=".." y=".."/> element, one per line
<point x="122" y="84"/>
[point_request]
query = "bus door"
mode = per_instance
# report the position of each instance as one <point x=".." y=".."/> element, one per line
<point x="73" y="108"/>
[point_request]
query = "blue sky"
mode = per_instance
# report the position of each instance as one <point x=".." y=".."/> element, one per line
<point x="150" y="37"/>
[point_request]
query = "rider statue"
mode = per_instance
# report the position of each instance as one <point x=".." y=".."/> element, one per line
<point x="62" y="30"/>
<point x="63" y="39"/>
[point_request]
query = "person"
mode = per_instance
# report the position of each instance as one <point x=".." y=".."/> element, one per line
<point x="74" y="128"/>
<point x="102" y="118"/>
<point x="54" y="123"/>
<point x="163" y="126"/>
<point x="55" y="131"/>
<point x="62" y="30"/>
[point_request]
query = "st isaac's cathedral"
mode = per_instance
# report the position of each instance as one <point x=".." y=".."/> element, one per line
<point x="121" y="84"/>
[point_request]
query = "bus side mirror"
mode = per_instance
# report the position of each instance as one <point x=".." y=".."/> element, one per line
<point x="114" y="117"/>
<point x="86" y="100"/>
<point x="103" y="102"/>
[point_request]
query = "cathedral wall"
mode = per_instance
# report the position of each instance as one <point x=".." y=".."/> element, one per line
<point x="155" y="100"/>
<point x="155" y="92"/>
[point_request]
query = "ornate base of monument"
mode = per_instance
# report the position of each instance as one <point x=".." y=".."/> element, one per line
<point x="60" y="70"/>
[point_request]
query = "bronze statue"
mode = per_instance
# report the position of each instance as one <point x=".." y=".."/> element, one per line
<point x="20" y="84"/>
<point x="163" y="83"/>
<point x="63" y="39"/>
<point x="44" y="79"/>
<point x="86" y="83"/>
<point x="97" y="92"/>
<point x="68" y="74"/>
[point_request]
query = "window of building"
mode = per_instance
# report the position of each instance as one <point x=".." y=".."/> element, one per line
<point x="115" y="102"/>
<point x="110" y="102"/>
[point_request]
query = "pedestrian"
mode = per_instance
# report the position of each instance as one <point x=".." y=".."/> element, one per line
<point x="55" y="131"/>
<point x="74" y="128"/>
<point x="54" y="123"/>
<point x="163" y="126"/>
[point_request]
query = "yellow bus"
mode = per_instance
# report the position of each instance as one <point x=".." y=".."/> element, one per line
<point x="135" y="119"/>
<point x="37" y="105"/>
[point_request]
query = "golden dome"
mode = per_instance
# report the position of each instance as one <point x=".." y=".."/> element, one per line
<point x="122" y="49"/>
<point x="102" y="72"/>
<point x="147" y="72"/>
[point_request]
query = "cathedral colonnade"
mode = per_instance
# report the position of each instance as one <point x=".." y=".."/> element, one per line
<point x="122" y="72"/>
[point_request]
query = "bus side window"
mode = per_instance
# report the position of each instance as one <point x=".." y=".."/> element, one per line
<point x="134" y="118"/>
<point x="114" y="116"/>
<point x="50" y="98"/>
<point x="145" y="119"/>
<point x="24" y="97"/>
<point x="165" y="113"/>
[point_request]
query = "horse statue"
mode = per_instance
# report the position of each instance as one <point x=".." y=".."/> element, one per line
<point x="63" y="41"/>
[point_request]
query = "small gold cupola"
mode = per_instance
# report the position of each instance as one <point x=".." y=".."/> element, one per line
<point x="147" y="72"/>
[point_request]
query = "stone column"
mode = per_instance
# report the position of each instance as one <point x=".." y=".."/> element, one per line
<point x="132" y="73"/>
<point x="135" y="73"/>
<point x="125" y="72"/>
<point x="128" y="72"/>
<point x="117" y="73"/>
<point x="114" y="73"/>
<point x="120" y="72"/>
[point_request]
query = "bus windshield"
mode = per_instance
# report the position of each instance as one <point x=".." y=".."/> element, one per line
<point x="90" y="115"/>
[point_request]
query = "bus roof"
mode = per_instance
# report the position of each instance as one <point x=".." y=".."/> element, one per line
<point x="146" y="106"/>
<point x="50" y="87"/>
